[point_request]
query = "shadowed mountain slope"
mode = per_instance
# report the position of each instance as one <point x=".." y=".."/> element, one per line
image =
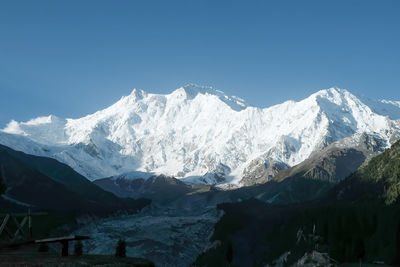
<point x="46" y="183"/>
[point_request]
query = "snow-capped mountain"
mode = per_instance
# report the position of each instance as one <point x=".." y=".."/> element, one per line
<point x="201" y="135"/>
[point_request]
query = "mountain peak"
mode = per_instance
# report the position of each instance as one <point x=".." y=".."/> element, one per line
<point x="137" y="94"/>
<point x="332" y="92"/>
<point x="192" y="87"/>
<point x="194" y="130"/>
<point x="334" y="95"/>
<point x="191" y="90"/>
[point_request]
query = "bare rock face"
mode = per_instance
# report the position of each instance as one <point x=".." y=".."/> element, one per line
<point x="331" y="164"/>
<point x="315" y="258"/>
<point x="157" y="187"/>
<point x="217" y="175"/>
<point x="371" y="143"/>
<point x="394" y="137"/>
<point x="260" y="171"/>
<point x="309" y="259"/>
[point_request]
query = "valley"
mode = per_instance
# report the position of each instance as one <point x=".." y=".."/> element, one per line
<point x="235" y="189"/>
<point x="165" y="235"/>
<point x="199" y="133"/>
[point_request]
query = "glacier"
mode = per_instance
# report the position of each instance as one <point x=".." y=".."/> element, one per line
<point x="201" y="135"/>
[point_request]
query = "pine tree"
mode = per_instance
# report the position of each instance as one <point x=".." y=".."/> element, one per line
<point x="229" y="253"/>
<point x="397" y="258"/>
<point x="120" y="250"/>
<point x="78" y="248"/>
<point x="359" y="250"/>
<point x="2" y="185"/>
<point x="43" y="247"/>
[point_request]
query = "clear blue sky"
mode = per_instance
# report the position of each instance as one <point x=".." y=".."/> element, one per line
<point x="71" y="58"/>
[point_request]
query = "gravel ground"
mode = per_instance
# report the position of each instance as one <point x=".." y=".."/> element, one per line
<point x="165" y="236"/>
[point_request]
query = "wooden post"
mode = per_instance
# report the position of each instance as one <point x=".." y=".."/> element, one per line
<point x="20" y="228"/>
<point x="30" y="223"/>
<point x="64" y="241"/>
<point x="3" y="225"/>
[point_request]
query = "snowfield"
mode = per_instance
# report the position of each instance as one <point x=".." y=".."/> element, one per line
<point x="201" y="135"/>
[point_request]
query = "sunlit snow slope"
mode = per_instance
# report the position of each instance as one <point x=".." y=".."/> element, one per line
<point x="199" y="134"/>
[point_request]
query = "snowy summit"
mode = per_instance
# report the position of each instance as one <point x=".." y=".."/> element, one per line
<point x="201" y="135"/>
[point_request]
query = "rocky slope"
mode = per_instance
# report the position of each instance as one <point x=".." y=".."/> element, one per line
<point x="155" y="187"/>
<point x="377" y="180"/>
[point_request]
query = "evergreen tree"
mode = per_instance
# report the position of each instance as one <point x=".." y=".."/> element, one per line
<point x="229" y="253"/>
<point x="2" y="185"/>
<point x="43" y="247"/>
<point x="120" y="250"/>
<point x="78" y="248"/>
<point x="397" y="258"/>
<point x="359" y="250"/>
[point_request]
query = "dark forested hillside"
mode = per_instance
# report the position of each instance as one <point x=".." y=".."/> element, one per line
<point x="357" y="220"/>
<point x="378" y="180"/>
